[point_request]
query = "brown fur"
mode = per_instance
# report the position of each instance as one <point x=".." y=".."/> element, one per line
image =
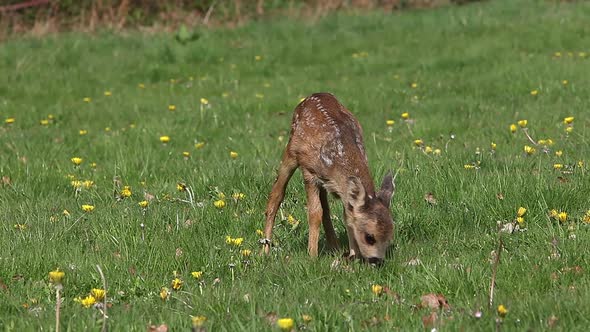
<point x="326" y="143"/>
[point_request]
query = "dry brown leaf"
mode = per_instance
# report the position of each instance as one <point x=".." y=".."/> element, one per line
<point x="562" y="179"/>
<point x="500" y="196"/>
<point x="161" y="328"/>
<point x="6" y="180"/>
<point x="434" y="301"/>
<point x="271" y="318"/>
<point x="430" y="320"/>
<point x="148" y="197"/>
<point x="430" y="199"/>
<point x="552" y="321"/>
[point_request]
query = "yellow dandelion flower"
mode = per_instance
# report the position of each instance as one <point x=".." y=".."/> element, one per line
<point x="186" y="154"/>
<point x="56" y="276"/>
<point x="513" y="128"/>
<point x="520" y="220"/>
<point x="258" y="57"/>
<point x="82" y="132"/>
<point x="65" y="213"/>
<point x="529" y="149"/>
<point x="233" y="154"/>
<point x="237" y="241"/>
<point x="559" y="153"/>
<point x="88" y="184"/>
<point x="98" y="294"/>
<point x="176" y="284"/>
<point x="569" y="129"/>
<point x="564" y="82"/>
<point x="377" y="289"/>
<point x="534" y="92"/>
<point x="93" y="165"/>
<point x="88" y="301"/>
<point x="246" y="252"/>
<point x="76" y="184"/>
<point x="291" y="220"/>
<point x="553" y="213"/>
<point x="197" y="274"/>
<point x="493" y="146"/>
<point x="44" y="122"/>
<point x="238" y="196"/>
<point x="580" y="163"/>
<point x="502" y="311"/>
<point x="522" y="123"/>
<point x="143" y="204"/>
<point x="405" y="115"/>
<point x="204" y="101"/>
<point x="198" y="321"/>
<point x="172" y="108"/>
<point x="180" y="186"/>
<point x="521" y="211"/>
<point x="141" y="86"/>
<point x="437" y="152"/>
<point x="414" y="85"/>
<point x="469" y="166"/>
<point x="390" y="123"/>
<point x="259" y="232"/>
<point x="77" y="161"/>
<point x="220" y="204"/>
<point x="557" y="166"/>
<point x="562" y="216"/>
<point x="418" y="142"/>
<point x="164" y="139"/>
<point x="568" y="120"/>
<point x="199" y="145"/>
<point x="108" y="93"/>
<point x="164" y="293"/>
<point x="87" y="208"/>
<point x="557" y="54"/>
<point x="87" y="99"/>
<point x="126" y="192"/>
<point x="9" y="120"/>
<point x="306" y="318"/>
<point x="285" y="324"/>
<point x="428" y="149"/>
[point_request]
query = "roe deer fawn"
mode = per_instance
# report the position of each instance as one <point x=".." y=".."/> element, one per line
<point x="326" y="142"/>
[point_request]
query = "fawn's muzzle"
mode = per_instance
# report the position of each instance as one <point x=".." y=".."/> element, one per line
<point x="375" y="261"/>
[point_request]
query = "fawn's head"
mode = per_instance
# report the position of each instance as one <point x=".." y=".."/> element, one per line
<point x="371" y="220"/>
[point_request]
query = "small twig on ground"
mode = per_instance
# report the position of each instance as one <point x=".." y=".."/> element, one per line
<point x="57" y="306"/>
<point x="104" y="306"/>
<point x="208" y="14"/>
<point x="526" y="132"/>
<point x="495" y="267"/>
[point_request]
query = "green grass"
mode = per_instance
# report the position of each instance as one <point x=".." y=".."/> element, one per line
<point x="475" y="67"/>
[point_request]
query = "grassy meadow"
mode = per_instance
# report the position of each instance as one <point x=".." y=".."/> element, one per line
<point x="463" y="74"/>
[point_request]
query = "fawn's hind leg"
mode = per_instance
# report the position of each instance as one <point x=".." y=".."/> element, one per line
<point x="327" y="221"/>
<point x="277" y="194"/>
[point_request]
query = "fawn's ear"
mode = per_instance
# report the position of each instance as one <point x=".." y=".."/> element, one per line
<point x="387" y="189"/>
<point x="355" y="192"/>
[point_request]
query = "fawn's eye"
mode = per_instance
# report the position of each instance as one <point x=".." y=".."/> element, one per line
<point x="370" y="239"/>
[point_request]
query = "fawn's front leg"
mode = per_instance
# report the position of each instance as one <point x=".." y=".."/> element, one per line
<point x="314" y="213"/>
<point x="327" y="221"/>
<point x="353" y="248"/>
